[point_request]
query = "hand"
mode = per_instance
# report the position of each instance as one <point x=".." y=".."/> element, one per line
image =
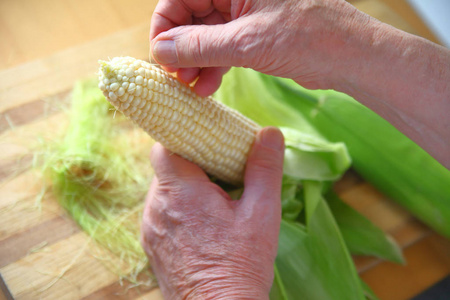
<point x="301" y="40"/>
<point x="321" y="44"/>
<point x="203" y="245"/>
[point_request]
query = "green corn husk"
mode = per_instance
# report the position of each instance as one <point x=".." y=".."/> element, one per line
<point x="267" y="96"/>
<point x="313" y="260"/>
<point x="99" y="174"/>
<point x="381" y="154"/>
<point x="362" y="236"/>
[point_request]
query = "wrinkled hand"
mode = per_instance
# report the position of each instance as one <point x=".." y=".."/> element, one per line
<point x="302" y="40"/>
<point x="321" y="44"/>
<point x="203" y="245"/>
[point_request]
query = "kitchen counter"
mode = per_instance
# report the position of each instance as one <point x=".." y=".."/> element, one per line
<point x="46" y="46"/>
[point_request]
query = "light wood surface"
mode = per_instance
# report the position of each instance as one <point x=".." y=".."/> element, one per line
<point x="46" y="46"/>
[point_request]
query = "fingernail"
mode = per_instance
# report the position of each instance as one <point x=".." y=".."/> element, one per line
<point x="165" y="52"/>
<point x="272" y="137"/>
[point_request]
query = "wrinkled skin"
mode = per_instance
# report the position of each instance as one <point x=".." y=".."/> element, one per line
<point x="326" y="44"/>
<point x="262" y="35"/>
<point x="203" y="245"/>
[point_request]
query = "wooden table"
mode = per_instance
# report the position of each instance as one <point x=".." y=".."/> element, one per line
<point x="46" y="45"/>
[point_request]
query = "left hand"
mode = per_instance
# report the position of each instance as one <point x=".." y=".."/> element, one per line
<point x="203" y="245"/>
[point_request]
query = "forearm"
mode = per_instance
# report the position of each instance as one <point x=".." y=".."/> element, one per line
<point x="406" y="80"/>
<point x="320" y="45"/>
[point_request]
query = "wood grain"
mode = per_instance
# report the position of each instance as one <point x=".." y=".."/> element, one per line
<point x="427" y="263"/>
<point x="19" y="245"/>
<point x="64" y="270"/>
<point x="4" y="292"/>
<point x="46" y="46"/>
<point x="54" y="74"/>
<point x="31" y="29"/>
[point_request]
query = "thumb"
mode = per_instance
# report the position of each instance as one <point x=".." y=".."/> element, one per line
<point x="201" y="46"/>
<point x="264" y="169"/>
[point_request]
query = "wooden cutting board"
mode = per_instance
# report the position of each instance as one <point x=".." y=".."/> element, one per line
<point x="43" y="254"/>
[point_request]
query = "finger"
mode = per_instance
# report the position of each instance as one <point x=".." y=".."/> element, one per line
<point x="221" y="45"/>
<point x="209" y="80"/>
<point x="188" y="75"/>
<point x="199" y="7"/>
<point x="215" y="17"/>
<point x="224" y="6"/>
<point x="185" y="186"/>
<point x="172" y="13"/>
<point x="172" y="168"/>
<point x="168" y="14"/>
<point x="170" y="70"/>
<point x="264" y="170"/>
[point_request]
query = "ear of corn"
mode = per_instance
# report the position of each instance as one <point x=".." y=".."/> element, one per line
<point x="206" y="132"/>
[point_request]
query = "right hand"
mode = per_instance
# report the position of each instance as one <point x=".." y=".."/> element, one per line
<point x="303" y="40"/>
<point x="321" y="44"/>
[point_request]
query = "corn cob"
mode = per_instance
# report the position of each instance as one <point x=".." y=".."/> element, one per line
<point x="202" y="130"/>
